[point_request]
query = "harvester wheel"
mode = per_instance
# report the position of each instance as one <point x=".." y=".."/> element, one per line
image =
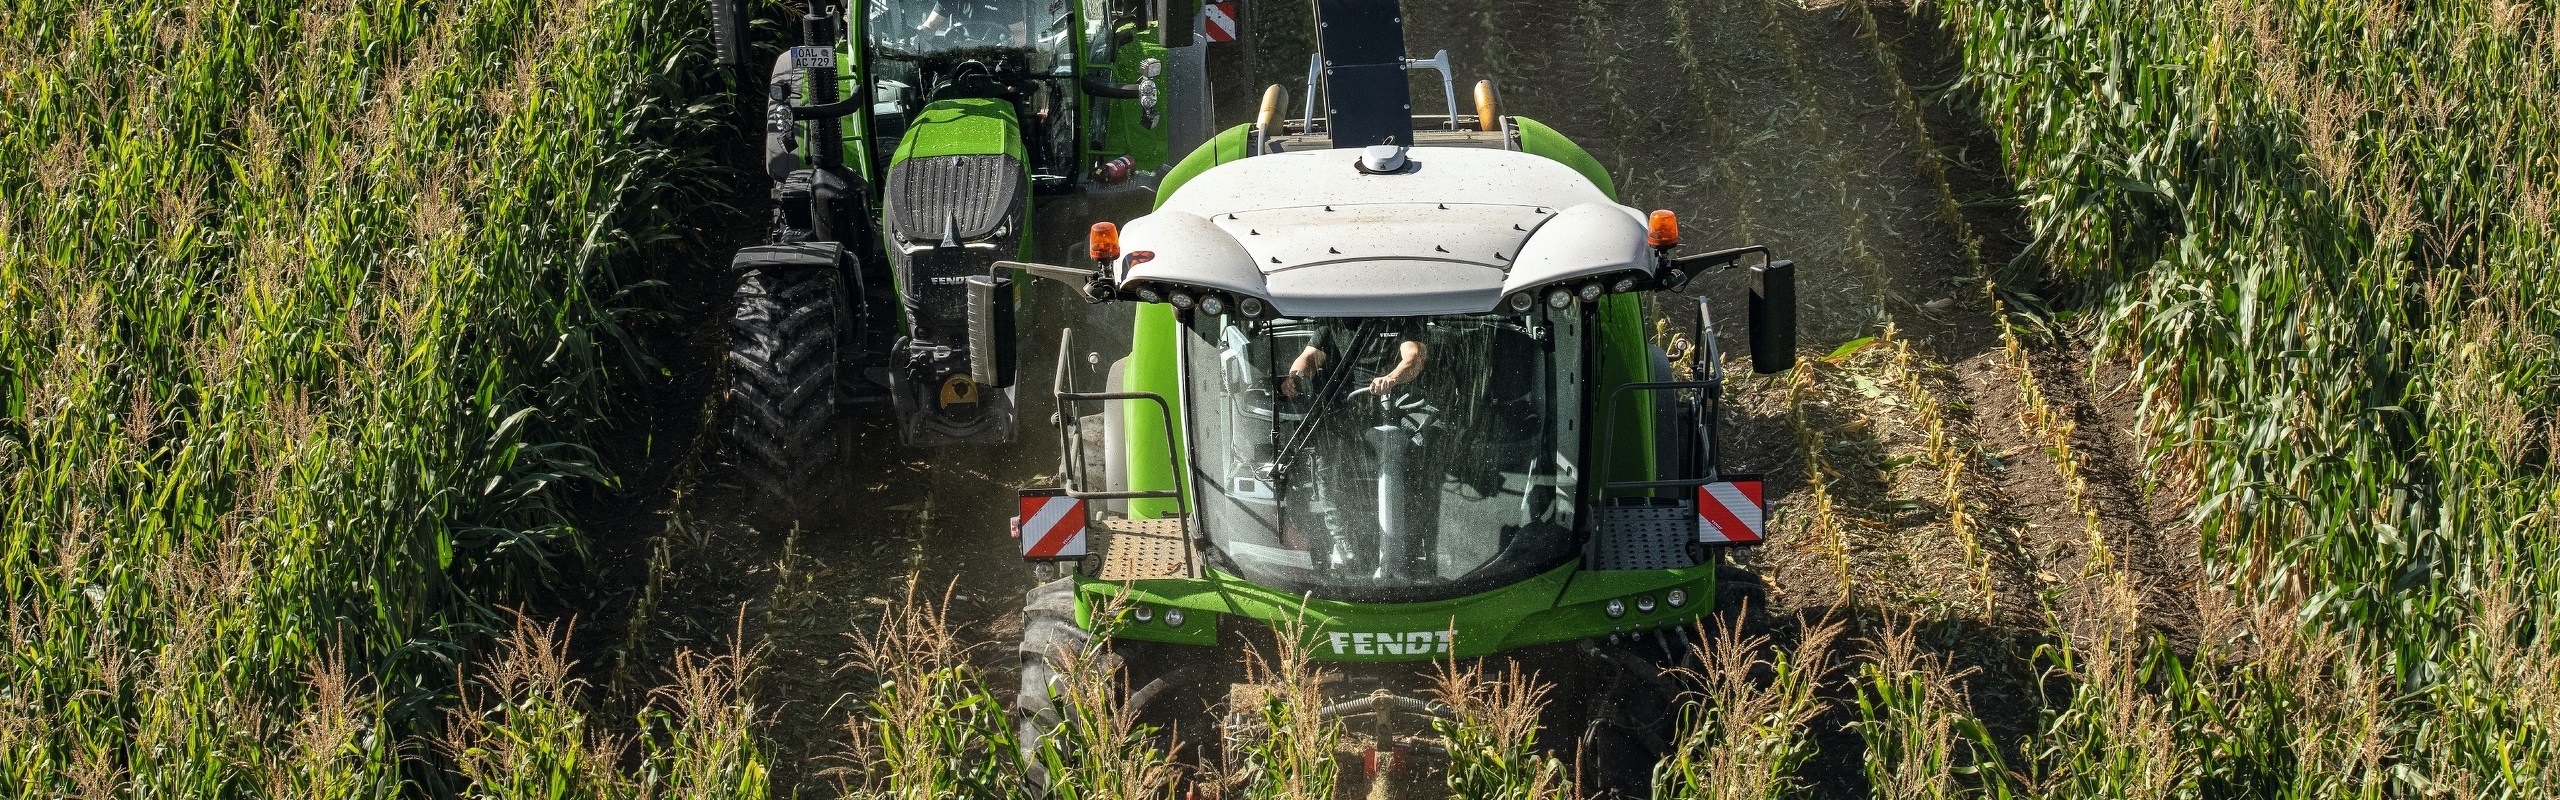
<point x="785" y="330"/>
<point x="1050" y="636"/>
<point x="1156" y="684"/>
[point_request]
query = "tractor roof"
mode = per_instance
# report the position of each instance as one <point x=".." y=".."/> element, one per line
<point x="1452" y="232"/>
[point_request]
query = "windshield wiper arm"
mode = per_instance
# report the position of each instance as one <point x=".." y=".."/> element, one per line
<point x="1277" y="472"/>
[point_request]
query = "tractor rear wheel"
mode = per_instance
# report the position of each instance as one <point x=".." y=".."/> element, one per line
<point x="785" y="333"/>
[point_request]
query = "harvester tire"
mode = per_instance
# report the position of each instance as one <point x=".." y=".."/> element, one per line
<point x="787" y="404"/>
<point x="1050" y="636"/>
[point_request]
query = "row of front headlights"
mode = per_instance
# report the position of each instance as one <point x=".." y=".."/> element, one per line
<point x="1617" y="606"/>
<point x="1562" y="295"/>
<point x="1558" y="296"/>
<point x="1147" y="613"/>
<point x="1212" y="303"/>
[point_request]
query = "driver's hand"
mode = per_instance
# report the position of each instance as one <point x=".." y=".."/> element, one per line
<point x="1382" y="385"/>
<point x="1289" y="386"/>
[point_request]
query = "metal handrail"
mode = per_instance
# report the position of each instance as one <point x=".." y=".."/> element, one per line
<point x="1066" y="345"/>
<point x="1609" y="430"/>
<point x="1715" y="379"/>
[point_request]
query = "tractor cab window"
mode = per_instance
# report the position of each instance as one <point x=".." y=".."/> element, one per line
<point x="1022" y="51"/>
<point x="1386" y="458"/>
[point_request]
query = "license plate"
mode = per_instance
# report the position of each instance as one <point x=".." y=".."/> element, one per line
<point x="806" y="57"/>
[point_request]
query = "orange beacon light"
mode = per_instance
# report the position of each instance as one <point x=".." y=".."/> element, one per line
<point x="1105" y="241"/>
<point x="1662" y="229"/>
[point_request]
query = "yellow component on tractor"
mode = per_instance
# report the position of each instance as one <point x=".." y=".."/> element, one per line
<point x="959" y="390"/>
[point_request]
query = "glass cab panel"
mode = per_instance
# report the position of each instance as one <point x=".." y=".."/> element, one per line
<point x="1019" y="50"/>
<point x="1458" y="480"/>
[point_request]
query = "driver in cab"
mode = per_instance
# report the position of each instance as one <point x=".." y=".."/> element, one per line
<point x="1369" y="342"/>
<point x="1382" y="498"/>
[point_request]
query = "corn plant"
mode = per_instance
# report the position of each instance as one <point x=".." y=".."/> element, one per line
<point x="1743" y="738"/>
<point x="1492" y="737"/>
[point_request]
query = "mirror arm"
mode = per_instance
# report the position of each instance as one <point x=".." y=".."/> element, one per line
<point x="1091" y="282"/>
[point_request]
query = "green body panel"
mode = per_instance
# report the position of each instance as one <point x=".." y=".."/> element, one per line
<point x="967" y="126"/>
<point x="1563" y="604"/>
<point x="1123" y="131"/>
<point x="1152" y="356"/>
<point x="1624" y="357"/>
<point x="1538" y="139"/>
<point x="1232" y="144"/>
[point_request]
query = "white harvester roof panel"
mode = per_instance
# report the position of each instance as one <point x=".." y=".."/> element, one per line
<point x="1451" y="233"/>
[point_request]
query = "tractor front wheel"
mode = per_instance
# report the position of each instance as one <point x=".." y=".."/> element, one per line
<point x="785" y="333"/>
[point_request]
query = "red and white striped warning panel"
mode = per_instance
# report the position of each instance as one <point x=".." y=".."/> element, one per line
<point x="1052" y="526"/>
<point x="1220" y="19"/>
<point x="1730" y="512"/>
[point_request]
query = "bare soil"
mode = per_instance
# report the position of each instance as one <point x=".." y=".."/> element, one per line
<point x="1819" y="130"/>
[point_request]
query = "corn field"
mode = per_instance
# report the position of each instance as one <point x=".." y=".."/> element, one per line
<point x="307" y="310"/>
<point x="2321" y="235"/>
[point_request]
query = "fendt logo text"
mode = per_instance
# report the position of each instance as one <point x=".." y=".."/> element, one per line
<point x="1415" y="643"/>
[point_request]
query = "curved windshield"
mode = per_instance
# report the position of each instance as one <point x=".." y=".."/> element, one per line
<point x="1399" y="459"/>
<point x="1029" y="35"/>
<point x="921" y="51"/>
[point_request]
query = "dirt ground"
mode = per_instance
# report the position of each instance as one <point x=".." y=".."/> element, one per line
<point x="1818" y="130"/>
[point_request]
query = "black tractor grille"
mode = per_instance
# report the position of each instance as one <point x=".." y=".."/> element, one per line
<point x="961" y="197"/>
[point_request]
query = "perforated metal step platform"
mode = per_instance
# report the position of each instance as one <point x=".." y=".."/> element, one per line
<point x="1141" y="549"/>
<point x="1645" y="537"/>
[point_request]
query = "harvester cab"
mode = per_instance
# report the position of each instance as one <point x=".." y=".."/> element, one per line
<point x="908" y="142"/>
<point x="1391" y="379"/>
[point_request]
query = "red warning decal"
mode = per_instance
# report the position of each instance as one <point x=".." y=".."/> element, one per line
<point x="1052" y="526"/>
<point x="1221" y="19"/>
<point x="1730" y="512"/>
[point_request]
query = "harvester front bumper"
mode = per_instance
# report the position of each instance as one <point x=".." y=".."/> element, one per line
<point x="1564" y="604"/>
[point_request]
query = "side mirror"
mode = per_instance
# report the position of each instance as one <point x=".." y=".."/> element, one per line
<point x="991" y="343"/>
<point x="1773" y="317"/>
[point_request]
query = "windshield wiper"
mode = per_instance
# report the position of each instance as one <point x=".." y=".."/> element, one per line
<point x="1277" y="472"/>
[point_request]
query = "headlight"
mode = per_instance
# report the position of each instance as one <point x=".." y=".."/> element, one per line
<point x="1623" y="286"/>
<point x="1645" y="604"/>
<point x="1213" y="305"/>
<point x="1143" y="613"/>
<point x="1173" y="616"/>
<point x="1590" y="291"/>
<point x="1677" y="598"/>
<point x="1149" y="294"/>
<point x="1559" y="297"/>
<point x="1520" y="302"/>
<point x="1251" y="306"/>
<point x="1616" y="608"/>
<point x="1181" y="299"/>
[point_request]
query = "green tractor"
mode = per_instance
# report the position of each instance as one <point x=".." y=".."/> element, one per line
<point x="1391" y="384"/>
<point x="908" y="142"/>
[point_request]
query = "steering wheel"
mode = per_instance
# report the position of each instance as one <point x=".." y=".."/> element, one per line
<point x="1401" y="406"/>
